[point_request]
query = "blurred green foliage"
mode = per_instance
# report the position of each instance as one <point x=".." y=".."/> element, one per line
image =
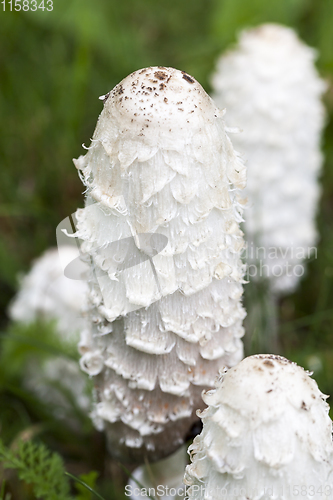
<point x="53" y="67"/>
<point x="38" y="467"/>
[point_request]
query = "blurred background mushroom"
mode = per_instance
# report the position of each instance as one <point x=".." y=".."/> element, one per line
<point x="47" y="319"/>
<point x="45" y="293"/>
<point x="271" y="90"/>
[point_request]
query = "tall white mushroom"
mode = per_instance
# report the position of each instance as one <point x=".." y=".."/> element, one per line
<point x="161" y="229"/>
<point x="266" y="435"/>
<point x="272" y="91"/>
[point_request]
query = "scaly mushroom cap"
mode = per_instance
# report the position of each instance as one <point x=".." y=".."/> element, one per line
<point x="266" y="432"/>
<point x="161" y="229"/>
<point x="146" y="106"/>
<point x="271" y="90"/>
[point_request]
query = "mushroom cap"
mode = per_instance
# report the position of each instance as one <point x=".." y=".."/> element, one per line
<point x="260" y="387"/>
<point x="266" y="429"/>
<point x="159" y="105"/>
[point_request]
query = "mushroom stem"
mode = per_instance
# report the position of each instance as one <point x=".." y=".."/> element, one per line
<point x="261" y="322"/>
<point x="163" y="479"/>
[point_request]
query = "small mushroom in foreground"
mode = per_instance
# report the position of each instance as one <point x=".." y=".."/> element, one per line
<point x="266" y="435"/>
<point x="161" y="230"/>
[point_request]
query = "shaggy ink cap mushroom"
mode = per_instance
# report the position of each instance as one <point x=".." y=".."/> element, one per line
<point x="270" y="86"/>
<point x="266" y="432"/>
<point x="159" y="166"/>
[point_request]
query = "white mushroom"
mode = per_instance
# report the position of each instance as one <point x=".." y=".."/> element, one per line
<point x="161" y="229"/>
<point x="46" y="294"/>
<point x="271" y="90"/>
<point x="266" y="435"/>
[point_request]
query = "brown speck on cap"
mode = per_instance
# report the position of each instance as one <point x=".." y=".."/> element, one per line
<point x="160" y="75"/>
<point x="187" y="77"/>
<point x="304" y="406"/>
<point x="106" y="97"/>
<point x="141" y="99"/>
